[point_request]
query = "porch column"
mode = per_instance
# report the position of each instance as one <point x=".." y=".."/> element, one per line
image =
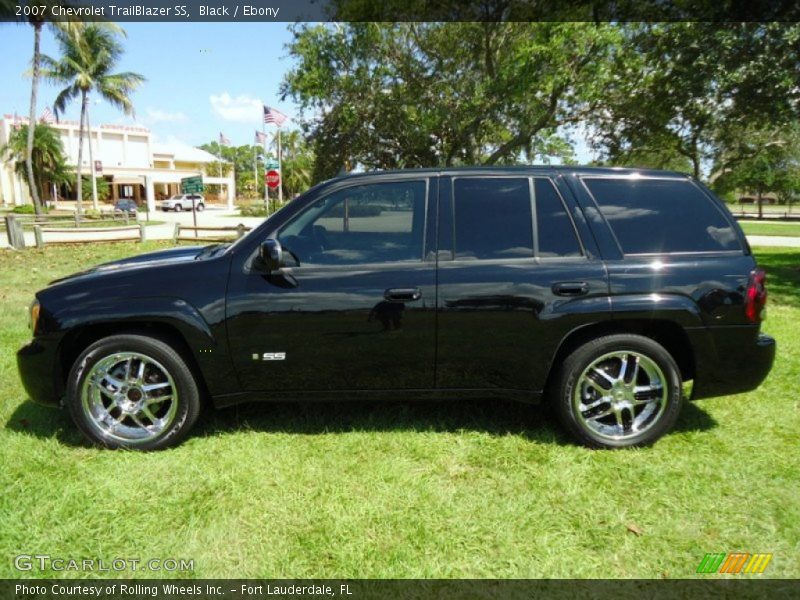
<point x="150" y="193"/>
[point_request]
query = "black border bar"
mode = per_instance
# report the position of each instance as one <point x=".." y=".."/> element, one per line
<point x="734" y="587"/>
<point x="287" y="11"/>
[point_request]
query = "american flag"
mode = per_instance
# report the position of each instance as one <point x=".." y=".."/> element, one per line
<point x="261" y="138"/>
<point x="273" y="115"/>
<point x="47" y="116"/>
<point x="223" y="141"/>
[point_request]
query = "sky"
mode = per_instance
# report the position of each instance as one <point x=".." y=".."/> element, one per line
<point x="202" y="78"/>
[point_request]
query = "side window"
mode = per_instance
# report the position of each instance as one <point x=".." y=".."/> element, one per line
<point x="556" y="233"/>
<point x="380" y="222"/>
<point x="651" y="216"/>
<point x="493" y="218"/>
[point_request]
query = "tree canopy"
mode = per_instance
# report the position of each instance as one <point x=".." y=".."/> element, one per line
<point x="393" y="95"/>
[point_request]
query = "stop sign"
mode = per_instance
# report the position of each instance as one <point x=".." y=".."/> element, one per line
<point x="273" y="179"/>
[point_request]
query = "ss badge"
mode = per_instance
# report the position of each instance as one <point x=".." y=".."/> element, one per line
<point x="270" y="356"/>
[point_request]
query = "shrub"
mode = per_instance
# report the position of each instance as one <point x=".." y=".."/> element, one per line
<point x="253" y="210"/>
<point x="27" y="209"/>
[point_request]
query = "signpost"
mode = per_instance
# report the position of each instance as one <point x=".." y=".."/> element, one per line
<point x="273" y="179"/>
<point x="271" y="164"/>
<point x="192" y="185"/>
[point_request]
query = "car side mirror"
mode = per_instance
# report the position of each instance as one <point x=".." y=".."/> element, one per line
<point x="271" y="254"/>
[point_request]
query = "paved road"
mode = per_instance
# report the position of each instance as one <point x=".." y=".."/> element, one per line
<point x="774" y="240"/>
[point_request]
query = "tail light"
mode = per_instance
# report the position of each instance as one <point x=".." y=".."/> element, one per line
<point x="755" y="298"/>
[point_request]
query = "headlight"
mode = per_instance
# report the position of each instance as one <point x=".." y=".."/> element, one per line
<point x="33" y="316"/>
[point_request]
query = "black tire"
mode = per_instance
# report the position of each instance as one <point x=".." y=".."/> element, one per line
<point x="200" y="207"/>
<point x="177" y="208"/>
<point x="563" y="390"/>
<point x="187" y="393"/>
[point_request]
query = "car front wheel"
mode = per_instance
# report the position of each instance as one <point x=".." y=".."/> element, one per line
<point x="618" y="391"/>
<point x="132" y="391"/>
<point x="178" y="208"/>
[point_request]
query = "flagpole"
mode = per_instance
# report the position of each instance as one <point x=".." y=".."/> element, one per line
<point x="255" y="169"/>
<point x="266" y="187"/>
<point x="280" y="170"/>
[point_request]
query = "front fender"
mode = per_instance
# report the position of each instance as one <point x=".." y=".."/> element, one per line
<point x="205" y="341"/>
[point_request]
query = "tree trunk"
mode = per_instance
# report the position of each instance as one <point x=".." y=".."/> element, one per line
<point x="91" y="159"/>
<point x="760" y="205"/>
<point x="696" y="166"/>
<point x="37" y="36"/>
<point x="79" y="178"/>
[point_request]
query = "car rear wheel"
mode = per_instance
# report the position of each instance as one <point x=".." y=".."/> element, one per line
<point x="618" y="391"/>
<point x="178" y="208"/>
<point x="200" y="207"/>
<point x="132" y="391"/>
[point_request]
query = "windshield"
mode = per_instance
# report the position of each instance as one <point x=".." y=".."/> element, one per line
<point x="178" y="197"/>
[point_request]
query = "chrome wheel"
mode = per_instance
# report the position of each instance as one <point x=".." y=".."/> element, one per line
<point x="130" y="397"/>
<point x="620" y="395"/>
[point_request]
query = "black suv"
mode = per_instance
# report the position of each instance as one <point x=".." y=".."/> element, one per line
<point x="604" y="291"/>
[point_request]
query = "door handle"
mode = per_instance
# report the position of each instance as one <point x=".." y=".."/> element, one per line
<point x="571" y="288"/>
<point x="402" y="294"/>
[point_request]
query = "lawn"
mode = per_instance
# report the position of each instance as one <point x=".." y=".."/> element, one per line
<point x="401" y="490"/>
<point x="785" y="228"/>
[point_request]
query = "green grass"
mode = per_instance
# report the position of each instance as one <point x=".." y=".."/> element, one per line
<point x="786" y="228"/>
<point x="404" y="489"/>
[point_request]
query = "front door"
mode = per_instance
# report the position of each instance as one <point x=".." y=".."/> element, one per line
<point x="354" y="307"/>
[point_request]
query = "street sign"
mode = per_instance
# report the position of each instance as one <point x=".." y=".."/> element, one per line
<point x="271" y="164"/>
<point x="273" y="179"/>
<point x="191" y="185"/>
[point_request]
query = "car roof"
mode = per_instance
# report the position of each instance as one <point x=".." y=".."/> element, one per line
<point x="521" y="170"/>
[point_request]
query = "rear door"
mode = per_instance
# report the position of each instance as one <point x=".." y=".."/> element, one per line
<point x="514" y="277"/>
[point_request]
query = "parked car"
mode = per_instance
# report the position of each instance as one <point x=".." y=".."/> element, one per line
<point x="183" y="202"/>
<point x="126" y="206"/>
<point x="607" y="293"/>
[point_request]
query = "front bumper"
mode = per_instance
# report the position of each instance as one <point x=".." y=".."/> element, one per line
<point x="741" y="365"/>
<point x="40" y="373"/>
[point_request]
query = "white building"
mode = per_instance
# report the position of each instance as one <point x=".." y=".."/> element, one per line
<point x="134" y="165"/>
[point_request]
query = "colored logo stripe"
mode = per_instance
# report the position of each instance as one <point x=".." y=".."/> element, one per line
<point x="758" y="562"/>
<point x="711" y="563"/>
<point x="735" y="562"/>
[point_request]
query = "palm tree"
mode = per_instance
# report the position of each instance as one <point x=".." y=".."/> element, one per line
<point x="37" y="19"/>
<point x="47" y="157"/>
<point x="297" y="162"/>
<point x="88" y="59"/>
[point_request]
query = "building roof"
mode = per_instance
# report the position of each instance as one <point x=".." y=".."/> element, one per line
<point x="183" y="153"/>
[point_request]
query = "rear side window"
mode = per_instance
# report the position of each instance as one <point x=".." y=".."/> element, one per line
<point x="557" y="235"/>
<point x="653" y="216"/>
<point x="493" y="218"/>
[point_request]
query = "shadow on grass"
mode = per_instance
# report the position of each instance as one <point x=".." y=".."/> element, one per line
<point x="496" y="417"/>
<point x="783" y="274"/>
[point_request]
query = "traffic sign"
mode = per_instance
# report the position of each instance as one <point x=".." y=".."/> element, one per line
<point x="271" y="164"/>
<point x="192" y="185"/>
<point x="273" y="179"/>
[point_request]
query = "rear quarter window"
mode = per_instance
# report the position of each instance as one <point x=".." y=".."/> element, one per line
<point x="654" y="216"/>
